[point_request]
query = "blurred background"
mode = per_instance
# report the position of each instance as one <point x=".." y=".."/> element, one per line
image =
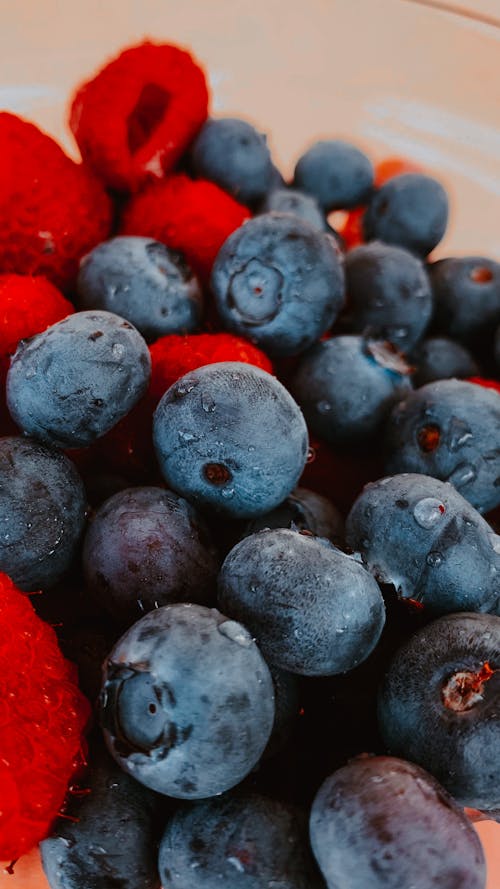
<point x="396" y="77"/>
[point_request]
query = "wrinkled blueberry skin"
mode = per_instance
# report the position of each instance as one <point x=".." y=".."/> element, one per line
<point x="422" y="536"/>
<point x="459" y="747"/>
<point x="113" y="842"/>
<point x="466" y="297"/>
<point x="143" y="281"/>
<point x="42" y="512"/>
<point x="231" y="153"/>
<point x="240" y="419"/>
<point x="465" y="419"/>
<point x="290" y="200"/>
<point x="336" y="173"/>
<point x="148" y="547"/>
<point x="439" y="358"/>
<point x="187" y="702"/>
<point x="387" y="294"/>
<point x="303" y="510"/>
<point x="313" y="609"/>
<point x="241" y="841"/>
<point x="346" y="389"/>
<point x="383" y="823"/>
<point x="72" y="383"/>
<point x="279" y="282"/>
<point x="409" y="210"/>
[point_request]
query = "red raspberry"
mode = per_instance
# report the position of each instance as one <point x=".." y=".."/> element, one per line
<point x="52" y="210"/>
<point x="194" y="217"/>
<point x="42" y="717"/>
<point x="136" y="117"/>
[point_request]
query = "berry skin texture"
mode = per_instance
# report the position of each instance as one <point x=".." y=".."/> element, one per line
<point x="72" y="383"/>
<point x="439" y="705"/>
<point x="410" y="211"/>
<point x="230" y="437"/>
<point x="303" y="510"/>
<point x="420" y="535"/>
<point x="466" y="293"/>
<point x="449" y="429"/>
<point x="135" y="118"/>
<point x="439" y="358"/>
<point x="187" y="703"/>
<point x="52" y="210"/>
<point x="336" y="173"/>
<point x="383" y="823"/>
<point x="42" y="512"/>
<point x="242" y="841"/>
<point x="43" y="716"/>
<point x="279" y="282"/>
<point x="193" y="217"/>
<point x="312" y="609"/>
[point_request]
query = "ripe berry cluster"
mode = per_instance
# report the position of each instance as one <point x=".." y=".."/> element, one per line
<point x="253" y="464"/>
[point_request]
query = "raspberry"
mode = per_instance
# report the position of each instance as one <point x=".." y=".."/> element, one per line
<point x="42" y="717"/>
<point x="52" y="210"/>
<point x="193" y="217"/>
<point x="136" y="117"/>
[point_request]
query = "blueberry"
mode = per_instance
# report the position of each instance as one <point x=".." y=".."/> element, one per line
<point x="346" y="386"/>
<point x="387" y="294"/>
<point x="112" y="840"/>
<point x="72" y="383"/>
<point x="449" y="429"/>
<point x="231" y="153"/>
<point x="336" y="173"/>
<point x="313" y="609"/>
<point x="497" y="347"/>
<point x="421" y="536"/>
<point x="439" y="358"/>
<point x="383" y="823"/>
<point x="230" y="437"/>
<point x="147" y="547"/>
<point x="279" y="282"/>
<point x="241" y="841"/>
<point x="286" y="709"/>
<point x="466" y="297"/>
<point x="295" y="202"/>
<point x="187" y="702"/>
<point x="409" y="210"/>
<point x="143" y="281"/>
<point x="439" y="705"/>
<point x="303" y="510"/>
<point x="42" y="512"/>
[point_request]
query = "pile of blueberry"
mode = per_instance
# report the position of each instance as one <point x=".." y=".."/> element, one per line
<point x="296" y="675"/>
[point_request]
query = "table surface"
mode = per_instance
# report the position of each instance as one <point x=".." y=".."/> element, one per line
<point x="395" y="77"/>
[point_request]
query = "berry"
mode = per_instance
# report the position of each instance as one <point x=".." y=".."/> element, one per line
<point x="439" y="358"/>
<point x="387" y="824"/>
<point x="187" y="702"/>
<point x="336" y="173"/>
<point x="143" y="281"/>
<point x="42" y="512"/>
<point x="466" y="297"/>
<point x="296" y="203"/>
<point x="134" y="119"/>
<point x="70" y="384"/>
<point x="28" y="305"/>
<point x="43" y="715"/>
<point x="439" y="705"/>
<point x="409" y="210"/>
<point x="302" y="510"/>
<point x="194" y="218"/>
<point x="279" y="282"/>
<point x="234" y="155"/>
<point x="230" y="437"/>
<point x="52" y="210"/>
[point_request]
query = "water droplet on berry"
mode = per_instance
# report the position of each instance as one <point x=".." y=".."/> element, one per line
<point x="462" y="475"/>
<point x="434" y="559"/>
<point x="236" y="633"/>
<point x="207" y="403"/>
<point x="227" y="493"/>
<point x="186" y="436"/>
<point x="459" y="434"/>
<point x="428" y="512"/>
<point x="118" y="350"/>
<point x="324" y="407"/>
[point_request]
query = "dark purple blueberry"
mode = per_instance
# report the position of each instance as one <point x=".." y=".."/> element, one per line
<point x="336" y="173"/>
<point x="382" y="823"/>
<point x="187" y="702"/>
<point x="42" y="512"/>
<point x="466" y="297"/>
<point x="409" y="210"/>
<point x="312" y="609"/>
<point x="230" y="437"/>
<point x="439" y="705"/>
<point x="296" y="203"/>
<point x="449" y="429"/>
<point x="72" y="383"/>
<point x="421" y="536"/>
<point x="439" y="358"/>
<point x="147" y="547"/>
<point x="279" y="282"/>
<point x="303" y="510"/>
<point x="143" y="281"/>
